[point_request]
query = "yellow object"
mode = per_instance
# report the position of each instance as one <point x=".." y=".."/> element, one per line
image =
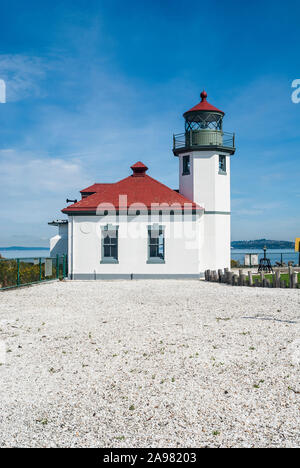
<point x="297" y="244"/>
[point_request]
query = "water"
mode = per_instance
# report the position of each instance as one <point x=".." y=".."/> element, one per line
<point x="273" y="254"/>
<point x="25" y="253"/>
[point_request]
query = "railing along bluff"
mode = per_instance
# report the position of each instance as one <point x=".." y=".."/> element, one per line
<point x="17" y="272"/>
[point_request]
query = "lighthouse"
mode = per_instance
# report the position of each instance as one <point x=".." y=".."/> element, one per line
<point x="204" y="152"/>
<point x="137" y="227"/>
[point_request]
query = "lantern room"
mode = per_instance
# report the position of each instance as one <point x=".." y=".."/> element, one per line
<point x="203" y="129"/>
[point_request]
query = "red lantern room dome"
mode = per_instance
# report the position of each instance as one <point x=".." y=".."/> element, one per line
<point x="204" y="106"/>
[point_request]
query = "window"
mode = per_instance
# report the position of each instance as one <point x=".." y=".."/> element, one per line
<point x="186" y="165"/>
<point x="222" y="164"/>
<point x="109" y="244"/>
<point x="156" y="244"/>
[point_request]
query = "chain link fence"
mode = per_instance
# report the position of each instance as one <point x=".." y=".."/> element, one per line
<point x="26" y="271"/>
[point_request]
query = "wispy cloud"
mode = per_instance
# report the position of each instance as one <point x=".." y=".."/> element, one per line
<point x="23" y="76"/>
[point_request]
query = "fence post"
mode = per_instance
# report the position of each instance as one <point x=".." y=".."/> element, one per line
<point x="294" y="280"/>
<point x="64" y="266"/>
<point x="250" y="276"/>
<point x="40" y="264"/>
<point x="18" y="271"/>
<point x="57" y="266"/>
<point x="291" y="271"/>
<point x="240" y="277"/>
<point x="226" y="271"/>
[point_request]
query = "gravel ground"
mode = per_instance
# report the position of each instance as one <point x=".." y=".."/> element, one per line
<point x="149" y="364"/>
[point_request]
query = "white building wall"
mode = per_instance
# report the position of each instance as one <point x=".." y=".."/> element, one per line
<point x="216" y="252"/>
<point x="59" y="243"/>
<point x="211" y="190"/>
<point x="181" y="247"/>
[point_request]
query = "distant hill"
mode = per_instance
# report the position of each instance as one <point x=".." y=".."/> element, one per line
<point x="24" y="248"/>
<point x="261" y="243"/>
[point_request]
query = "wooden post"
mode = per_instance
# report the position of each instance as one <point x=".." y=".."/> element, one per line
<point x="226" y="271"/>
<point x="220" y="273"/>
<point x="250" y="276"/>
<point x="294" y="280"/>
<point x="243" y="280"/>
<point x="235" y="280"/>
<point x="208" y="275"/>
<point x="291" y="271"/>
<point x="277" y="279"/>
<point x="240" y="277"/>
<point x="229" y="277"/>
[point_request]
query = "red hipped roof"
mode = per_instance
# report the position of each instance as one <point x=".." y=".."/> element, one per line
<point x="94" y="188"/>
<point x="138" y="189"/>
<point x="204" y="105"/>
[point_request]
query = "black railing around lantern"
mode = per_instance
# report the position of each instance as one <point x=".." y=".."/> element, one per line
<point x="205" y="138"/>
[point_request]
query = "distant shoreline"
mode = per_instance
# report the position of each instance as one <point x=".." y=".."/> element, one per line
<point x="261" y="243"/>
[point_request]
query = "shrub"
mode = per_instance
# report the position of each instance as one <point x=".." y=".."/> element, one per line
<point x="235" y="264"/>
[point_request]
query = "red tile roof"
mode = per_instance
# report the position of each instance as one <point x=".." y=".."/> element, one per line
<point x="138" y="189"/>
<point x="204" y="105"/>
<point x="94" y="188"/>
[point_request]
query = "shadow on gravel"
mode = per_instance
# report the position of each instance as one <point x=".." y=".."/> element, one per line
<point x="270" y="318"/>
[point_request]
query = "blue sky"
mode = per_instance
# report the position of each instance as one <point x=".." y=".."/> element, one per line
<point x="93" y="87"/>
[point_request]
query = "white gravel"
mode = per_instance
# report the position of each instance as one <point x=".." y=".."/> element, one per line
<point x="149" y="364"/>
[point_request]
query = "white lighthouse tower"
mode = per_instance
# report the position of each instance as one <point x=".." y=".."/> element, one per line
<point x="204" y="151"/>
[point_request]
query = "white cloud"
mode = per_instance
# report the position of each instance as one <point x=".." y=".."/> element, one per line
<point x="22" y="76"/>
<point x="33" y="191"/>
<point x="2" y="92"/>
<point x="23" y="173"/>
